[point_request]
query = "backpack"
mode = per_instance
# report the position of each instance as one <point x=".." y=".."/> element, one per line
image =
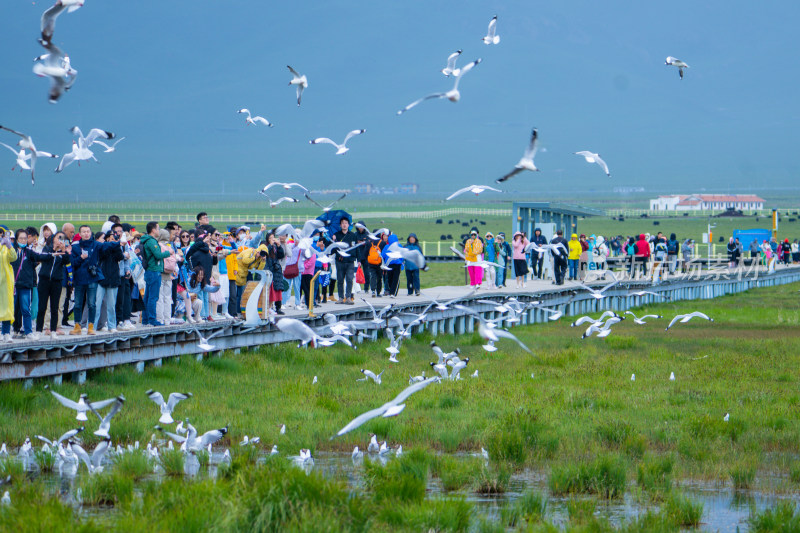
<point x="374" y="257"/>
<point x="672" y="247"/>
<point x="171" y="265"/>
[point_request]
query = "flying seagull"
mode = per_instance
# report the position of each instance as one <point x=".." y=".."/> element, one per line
<point x="81" y="406"/>
<point x="475" y="189"/>
<point x="168" y="406"/>
<point x="56" y="66"/>
<point x="112" y="148"/>
<point x="451" y="69"/>
<point x="301" y="82"/>
<point x="340" y="148"/>
<point x="105" y="422"/>
<point x="675" y="62"/>
<point x="286" y="186"/>
<point x="526" y="163"/>
<point x="203" y="345"/>
<point x="51" y="14"/>
<point x="369" y="374"/>
<point x="389" y="409"/>
<point x="594" y="158"/>
<point x="325" y="208"/>
<point x="279" y="200"/>
<point x="491" y="33"/>
<point x="395" y="251"/>
<point x="598" y="294"/>
<point x="687" y="317"/>
<point x="641" y="321"/>
<point x="453" y="95"/>
<point x="253" y="120"/>
<point x="26" y="143"/>
<point x="95" y="463"/>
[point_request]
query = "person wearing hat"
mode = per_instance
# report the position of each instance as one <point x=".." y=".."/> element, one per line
<point x="519" y="242"/>
<point x="473" y="249"/>
<point x="537" y="259"/>
<point x="7" y="256"/>
<point x="575" y="251"/>
<point x="243" y="240"/>
<point x="490" y="254"/>
<point x="503" y="255"/>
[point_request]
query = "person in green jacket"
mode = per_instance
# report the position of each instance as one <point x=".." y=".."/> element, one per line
<point x="153" y="267"/>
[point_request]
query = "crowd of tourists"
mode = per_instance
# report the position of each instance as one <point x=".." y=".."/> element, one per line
<point x="79" y="281"/>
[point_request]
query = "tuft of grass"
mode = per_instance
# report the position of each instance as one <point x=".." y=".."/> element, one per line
<point x="107" y="488"/>
<point x="581" y="511"/>
<point x="683" y="511"/>
<point x="171" y="461"/>
<point x="13" y="468"/>
<point x="784" y="516"/>
<point x="654" y="475"/>
<point x="529" y="508"/>
<point x="742" y="476"/>
<point x="492" y="480"/>
<point x="456" y="474"/>
<point x="135" y="465"/>
<point x="605" y="476"/>
<point x="794" y="473"/>
<point x="518" y="434"/>
<point x="46" y="461"/>
<point x="403" y="479"/>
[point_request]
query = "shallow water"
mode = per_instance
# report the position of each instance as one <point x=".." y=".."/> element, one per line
<point x="723" y="508"/>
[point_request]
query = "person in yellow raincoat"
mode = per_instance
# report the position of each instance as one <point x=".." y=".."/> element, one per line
<point x="7" y="256"/>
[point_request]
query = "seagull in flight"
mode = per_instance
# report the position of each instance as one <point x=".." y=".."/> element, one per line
<point x="51" y="14"/>
<point x="369" y="374"/>
<point x="279" y="200"/>
<point x="56" y="66"/>
<point x="491" y="34"/>
<point x="105" y="422"/>
<point x="340" y="148"/>
<point x="474" y="189"/>
<point x="598" y="294"/>
<point x="95" y="463"/>
<point x="77" y="154"/>
<point x="66" y="436"/>
<point x="675" y="62"/>
<point x="81" y="406"/>
<point x="254" y="120"/>
<point x="556" y="249"/>
<point x="328" y="207"/>
<point x="23" y="157"/>
<point x="642" y="293"/>
<point x="203" y="345"/>
<point x="641" y="321"/>
<point x="26" y="143"/>
<point x="168" y="406"/>
<point x="482" y="263"/>
<point x="591" y="157"/>
<point x="391" y="408"/>
<point x="112" y="148"/>
<point x="286" y="186"/>
<point x="604" y="330"/>
<point x="395" y="251"/>
<point x="301" y="82"/>
<point x="526" y="163"/>
<point x="451" y="69"/>
<point x="301" y="331"/>
<point x="687" y="317"/>
<point x="489" y="333"/>
<point x="587" y="318"/>
<point x="194" y="443"/>
<point x="453" y="95"/>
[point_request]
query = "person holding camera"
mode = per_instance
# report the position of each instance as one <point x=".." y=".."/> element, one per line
<point x="51" y="277"/>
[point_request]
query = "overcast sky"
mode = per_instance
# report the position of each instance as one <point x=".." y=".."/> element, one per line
<point x="589" y="75"/>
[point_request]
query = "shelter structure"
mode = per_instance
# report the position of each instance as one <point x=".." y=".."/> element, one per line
<point x="526" y="216"/>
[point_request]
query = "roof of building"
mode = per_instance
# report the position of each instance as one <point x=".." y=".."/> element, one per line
<point x="694" y="199"/>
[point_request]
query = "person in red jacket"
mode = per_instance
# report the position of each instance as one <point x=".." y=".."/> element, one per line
<point x="642" y="252"/>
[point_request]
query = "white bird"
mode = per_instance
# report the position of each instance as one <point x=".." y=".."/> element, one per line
<point x="340" y="148"/>
<point x="286" y="186"/>
<point x="300" y="331"/>
<point x="672" y="376"/>
<point x="77" y="154"/>
<point x="594" y="158"/>
<point x="602" y="331"/>
<point x="247" y="441"/>
<point x="105" y="422"/>
<point x="585" y="319"/>
<point x="325" y="208"/>
<point x="391" y="408"/>
<point x="394" y="343"/>
<point x="112" y="148"/>
<point x="357" y="454"/>
<point x="91" y="138"/>
<point x="253" y="120"/>
<point x="474" y="189"/>
<point x="492" y="334"/>
<point x="204" y="343"/>
<point x="687" y="317"/>
<point x="368" y="374"/>
<point x="51" y="14"/>
<point x="377" y="316"/>
<point x="675" y="62"/>
<point x="95" y="463"/>
<point x="451" y="64"/>
<point x="416" y="379"/>
<point x="81" y="407"/>
<point x="526" y="162"/>
<point x="282" y="429"/>
<point x="66" y="436"/>
<point x="395" y="251"/>
<point x="168" y="406"/>
<point x="399" y="451"/>
<point x="373" y="443"/>
<point x="26" y="143"/>
<point x="301" y="82"/>
<point x="556" y="249"/>
<point x="192" y="441"/>
<point x="641" y="321"/>
<point x="453" y="95"/>
<point x="279" y="201"/>
<point x="3" y="450"/>
<point x="642" y="293"/>
<point x="726" y="417"/>
<point x="314" y="381"/>
<point x="633" y="377"/>
<point x="491" y="33"/>
<point x="22" y="158"/>
<point x="598" y="294"/>
<point x="474" y="374"/>
<point x="384" y="449"/>
<point x="274" y="450"/>
<point x="26" y="449"/>
<point x="457" y="368"/>
<point x="57" y="66"/>
<point x="6" y="500"/>
<point x="443" y="357"/>
<point x="441" y="369"/>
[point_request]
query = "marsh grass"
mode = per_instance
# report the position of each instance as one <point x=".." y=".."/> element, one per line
<point x="135" y="465"/>
<point x="106" y="488"/>
<point x="403" y="479"/>
<point x="492" y="480"/>
<point x="529" y="508"/>
<point x="742" y="475"/>
<point x="654" y="475"/>
<point x="683" y="511"/>
<point x="456" y="474"/>
<point x="606" y="476"/>
<point x="13" y="468"/>
<point x="171" y="462"/>
<point x="581" y="511"/>
<point x="784" y="516"/>
<point x="46" y="461"/>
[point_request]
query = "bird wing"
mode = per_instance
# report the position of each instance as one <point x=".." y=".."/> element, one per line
<point x="389" y="335"/>
<point x="312" y="225"/>
<point x="10" y="148"/>
<point x="285" y="199"/>
<point x="312" y="200"/>
<point x="633" y="315"/>
<point x="297" y="185"/>
<point x="324" y="140"/>
<point x="451" y="60"/>
<point x="66" y="160"/>
<point x="244" y="110"/>
<point x="466" y="68"/>
<point x="102" y="404"/>
<point x="486" y="187"/>
<point x="362" y="418"/>
<point x="352" y="134"/>
<point x="99" y="452"/>
<point x="96" y="133"/>
<point x="299" y="94"/>
<point x="649" y="316"/>
<point x="415" y="103"/>
<point x="613" y="283"/>
<point x="156" y="396"/>
<point x="333" y="246"/>
<point x="49" y="20"/>
<point x="507" y="335"/>
<point x="293" y="71"/>
<point x="508" y="176"/>
<point x="114" y="409"/>
<point x="338" y="199"/>
<point x="371" y="308"/>
<point x="533" y="145"/>
<point x="210" y="437"/>
<point x="295" y="328"/>
<point x="269" y="185"/>
<point x="45" y="439"/>
<point x="458" y="192"/>
<point x="82" y="455"/>
<point x="173" y="436"/>
<point x="602" y="165"/>
<point x="677" y="318"/>
<point x="104" y="145"/>
<point x="262" y="120"/>
<point x="416" y="387"/>
<point x="68" y="435"/>
<point x="176" y="397"/>
<point x="492" y="27"/>
<point x="585" y="153"/>
<point x="66" y="402"/>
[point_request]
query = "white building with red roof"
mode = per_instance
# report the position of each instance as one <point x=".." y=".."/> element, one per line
<point x="707" y="202"/>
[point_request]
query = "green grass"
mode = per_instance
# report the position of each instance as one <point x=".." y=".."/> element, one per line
<point x="606" y="476"/>
<point x="784" y="517"/>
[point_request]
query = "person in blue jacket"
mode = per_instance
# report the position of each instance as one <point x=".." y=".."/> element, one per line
<point x="412" y="271"/>
<point x="396" y="265"/>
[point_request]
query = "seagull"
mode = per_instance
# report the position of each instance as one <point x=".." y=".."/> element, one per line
<point x="26" y="448"/>
<point x="556" y="249"/>
<point x="475" y="189"/>
<point x="314" y="381"/>
<point x="391" y="408"/>
<point x="642" y="293"/>
<point x="491" y="34"/>
<point x="105" y="422"/>
<point x="377" y="316"/>
<point x="299" y="330"/>
<point x="66" y="436"/>
<point x="526" y="163"/>
<point x="726" y="417"/>
<point x="395" y="251"/>
<point x="357" y="454"/>
<point x="633" y="377"/>
<point x="192" y="441"/>
<point x="3" y="450"/>
<point x="492" y="334"/>
<point x="6" y="500"/>
<point x="22" y="158"/>
<point x="81" y="406"/>
<point x="340" y="148"/>
<point x="203" y="345"/>
<point x="286" y="186"/>
<point x="443" y="357"/>
<point x="168" y="406"/>
<point x="641" y="321"/>
<point x="26" y="143"/>
<point x="481" y="263"/>
<point x="675" y="62"/>
<point x="441" y="369"/>
<point x="411" y="379"/>
<point x="598" y="294"/>
<point x="279" y="201"/>
<point x="604" y="330"/>
<point x="373" y="444"/>
<point x="95" y="464"/>
<point x="687" y="317"/>
<point x="594" y="158"/>
<point x="374" y="236"/>
<point x="56" y="66"/>
<point x="474" y="374"/>
<point x="252" y="120"/>
<point x="328" y="207"/>
<point x="368" y="374"/>
<point x="77" y="154"/>
<point x="112" y="148"/>
<point x="51" y="14"/>
<point x="300" y="81"/>
<point x="446" y="305"/>
<point x="247" y="441"/>
<point x="274" y="450"/>
<point x="453" y="95"/>
<point x="457" y="368"/>
<point x="384" y="449"/>
<point x="672" y="376"/>
<point x="451" y="64"/>
<point x="282" y="429"/>
<point x="91" y="138"/>
<point x="394" y="344"/>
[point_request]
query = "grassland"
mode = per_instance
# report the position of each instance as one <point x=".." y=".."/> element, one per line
<point x="571" y="413"/>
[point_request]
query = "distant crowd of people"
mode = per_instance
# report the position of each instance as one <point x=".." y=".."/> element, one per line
<point x="121" y="278"/>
